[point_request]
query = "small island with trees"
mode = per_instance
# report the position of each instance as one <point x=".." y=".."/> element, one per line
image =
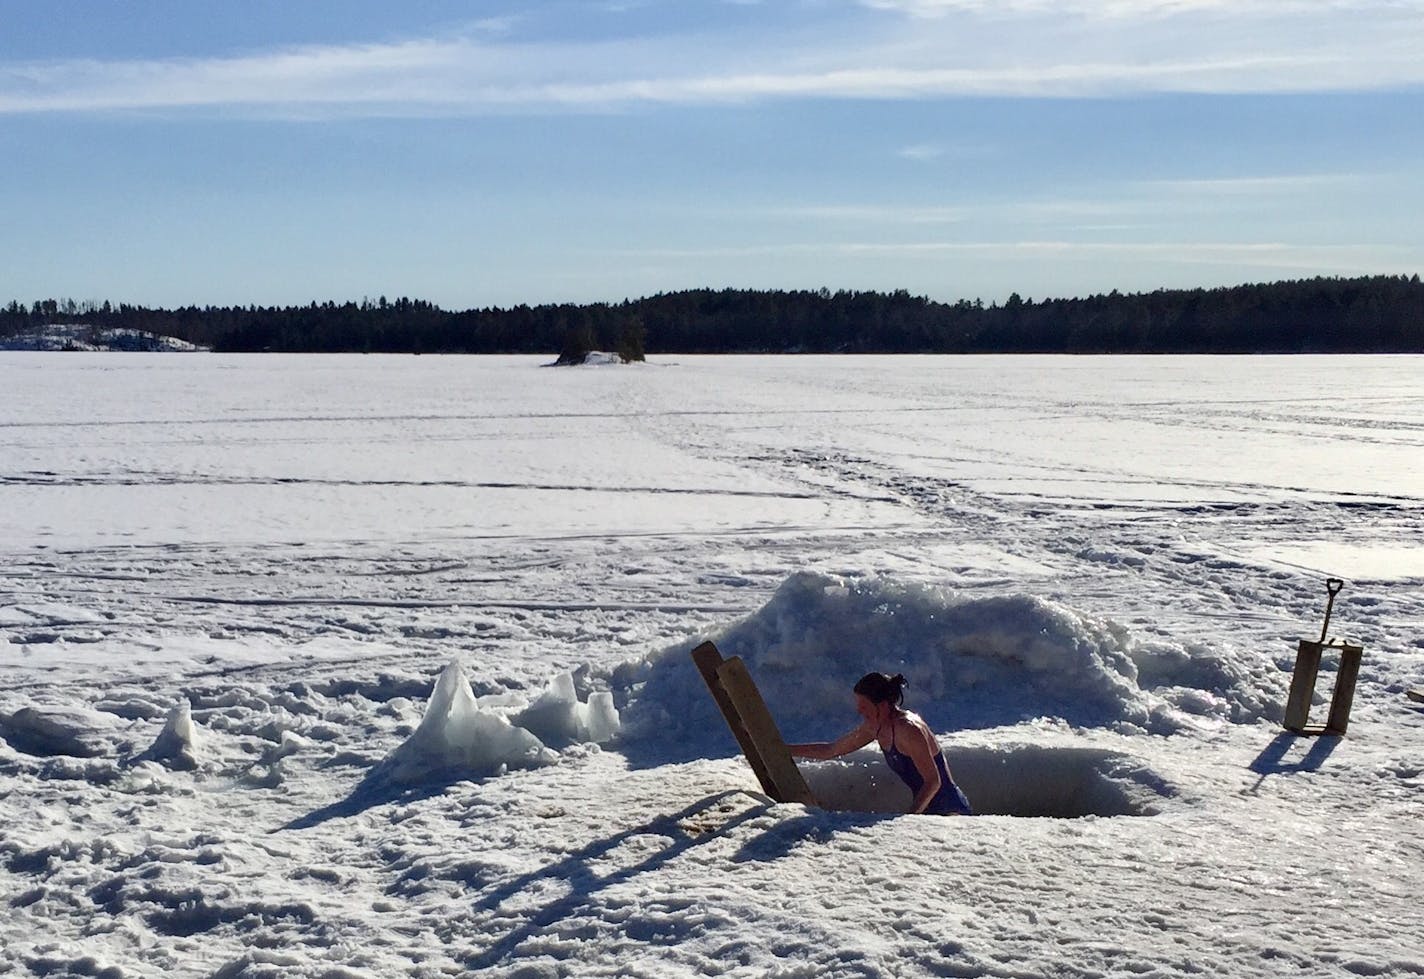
<point x="1372" y="314"/>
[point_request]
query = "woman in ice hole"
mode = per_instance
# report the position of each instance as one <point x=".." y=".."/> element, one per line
<point x="910" y="749"/>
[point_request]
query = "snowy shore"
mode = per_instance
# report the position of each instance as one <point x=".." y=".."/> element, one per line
<point x="232" y="585"/>
<point x="76" y="337"/>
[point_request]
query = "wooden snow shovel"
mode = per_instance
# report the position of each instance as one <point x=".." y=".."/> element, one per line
<point x="1307" y="667"/>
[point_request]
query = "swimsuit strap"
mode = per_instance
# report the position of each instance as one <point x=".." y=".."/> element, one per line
<point x="881" y="726"/>
<point x="893" y="745"/>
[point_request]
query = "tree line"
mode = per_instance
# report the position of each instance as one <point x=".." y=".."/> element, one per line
<point x="1372" y="314"/>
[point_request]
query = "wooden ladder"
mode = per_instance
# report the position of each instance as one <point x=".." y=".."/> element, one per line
<point x="752" y="725"/>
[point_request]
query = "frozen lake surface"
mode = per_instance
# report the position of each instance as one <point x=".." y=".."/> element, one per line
<point x="1093" y="570"/>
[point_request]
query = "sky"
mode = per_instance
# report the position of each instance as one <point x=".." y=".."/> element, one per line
<point x="495" y="153"/>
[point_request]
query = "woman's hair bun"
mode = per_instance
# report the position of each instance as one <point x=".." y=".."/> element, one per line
<point x="880" y="688"/>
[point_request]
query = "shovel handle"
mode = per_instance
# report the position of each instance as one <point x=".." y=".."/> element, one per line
<point x="1332" y="588"/>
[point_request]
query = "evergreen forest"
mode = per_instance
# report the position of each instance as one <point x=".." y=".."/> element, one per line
<point x="1374" y="314"/>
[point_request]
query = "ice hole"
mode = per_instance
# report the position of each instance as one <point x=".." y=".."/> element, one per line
<point x="1004" y="780"/>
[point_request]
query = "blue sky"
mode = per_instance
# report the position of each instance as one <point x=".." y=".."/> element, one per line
<point x="481" y="154"/>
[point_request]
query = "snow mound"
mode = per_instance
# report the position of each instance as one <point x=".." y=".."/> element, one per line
<point x="600" y="358"/>
<point x="970" y="662"/>
<point x="594" y="358"/>
<point x="1199" y="679"/>
<point x="77" y="732"/>
<point x="457" y="736"/>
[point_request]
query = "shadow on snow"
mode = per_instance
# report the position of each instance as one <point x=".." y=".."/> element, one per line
<point x="701" y="822"/>
<point x="1272" y="759"/>
<point x="376" y="789"/>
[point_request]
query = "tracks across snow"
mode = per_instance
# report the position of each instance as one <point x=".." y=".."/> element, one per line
<point x="336" y="530"/>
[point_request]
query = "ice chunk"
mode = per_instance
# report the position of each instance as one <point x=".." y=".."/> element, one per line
<point x="177" y="743"/>
<point x="557" y="716"/>
<point x="601" y="722"/>
<point x="553" y="716"/>
<point x="457" y="736"/>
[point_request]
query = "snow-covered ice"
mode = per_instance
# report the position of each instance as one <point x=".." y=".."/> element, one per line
<point x="375" y="666"/>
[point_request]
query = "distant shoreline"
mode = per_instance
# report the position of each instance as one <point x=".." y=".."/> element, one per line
<point x="1373" y="314"/>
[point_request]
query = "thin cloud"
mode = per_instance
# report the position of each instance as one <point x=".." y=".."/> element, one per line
<point x="921" y="151"/>
<point x="1102" y="9"/>
<point x="872" y="213"/>
<point x="1177" y="198"/>
<point x="930" y="152"/>
<point x="1141" y="200"/>
<point x="1311" y="259"/>
<point x="964" y="51"/>
<point x="1256" y="186"/>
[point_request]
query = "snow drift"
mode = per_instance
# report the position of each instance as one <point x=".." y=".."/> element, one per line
<point x="970" y="662"/>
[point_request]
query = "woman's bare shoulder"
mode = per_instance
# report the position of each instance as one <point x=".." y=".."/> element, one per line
<point x="914" y="722"/>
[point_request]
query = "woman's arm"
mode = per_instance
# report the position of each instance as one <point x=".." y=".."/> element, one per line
<point x="917" y="744"/>
<point x="826" y="750"/>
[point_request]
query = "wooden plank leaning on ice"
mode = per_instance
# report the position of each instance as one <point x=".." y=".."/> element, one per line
<point x="752" y="725"/>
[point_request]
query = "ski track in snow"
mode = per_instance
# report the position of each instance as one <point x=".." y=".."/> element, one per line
<point x="584" y="520"/>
